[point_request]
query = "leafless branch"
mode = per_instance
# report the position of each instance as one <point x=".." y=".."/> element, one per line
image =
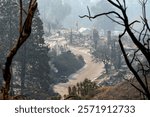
<point x="144" y="36"/>
<point x="141" y="33"/>
<point x="135" y="86"/>
<point x="26" y="30"/>
<point x="134" y="55"/>
<point x="89" y="12"/>
<point x="18" y="5"/>
<point x="144" y="18"/>
<point x="114" y="4"/>
<point x="133" y="70"/>
<point x="138" y="89"/>
<point x="102" y="14"/>
<point x="115" y="20"/>
<point x="143" y="47"/>
<point x="143" y="72"/>
<point x="136" y="21"/>
<point x="124" y="2"/>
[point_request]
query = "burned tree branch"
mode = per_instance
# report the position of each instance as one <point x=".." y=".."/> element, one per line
<point x="126" y="25"/>
<point x="143" y="72"/>
<point x="20" y="18"/>
<point x="115" y="20"/>
<point x="142" y="46"/>
<point x="133" y="58"/>
<point x="147" y="93"/>
<point x="141" y="91"/>
<point x="136" y="21"/>
<point x="102" y="14"/>
<point x="138" y="89"/>
<point x="25" y="31"/>
<point x="18" y="5"/>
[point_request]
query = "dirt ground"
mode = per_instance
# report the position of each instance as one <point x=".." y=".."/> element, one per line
<point x="91" y="71"/>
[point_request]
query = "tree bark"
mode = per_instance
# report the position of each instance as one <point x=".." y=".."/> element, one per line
<point x="24" y="34"/>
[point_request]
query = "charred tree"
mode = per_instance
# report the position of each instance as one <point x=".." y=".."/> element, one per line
<point x="25" y="31"/>
<point x="141" y="53"/>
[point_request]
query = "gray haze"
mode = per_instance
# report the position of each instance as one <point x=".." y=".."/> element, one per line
<point x="79" y="7"/>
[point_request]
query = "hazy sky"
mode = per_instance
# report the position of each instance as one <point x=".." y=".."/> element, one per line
<point x="79" y="7"/>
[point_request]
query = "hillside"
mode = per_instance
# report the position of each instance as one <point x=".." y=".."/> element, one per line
<point x="88" y="90"/>
<point x="122" y="91"/>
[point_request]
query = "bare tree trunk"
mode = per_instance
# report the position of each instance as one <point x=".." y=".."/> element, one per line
<point x="24" y="34"/>
<point x="146" y="91"/>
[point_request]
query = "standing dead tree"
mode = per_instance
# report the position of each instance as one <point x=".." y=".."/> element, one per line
<point x="24" y="30"/>
<point x="139" y="62"/>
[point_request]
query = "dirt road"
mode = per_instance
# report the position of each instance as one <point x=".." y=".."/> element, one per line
<point x="91" y="71"/>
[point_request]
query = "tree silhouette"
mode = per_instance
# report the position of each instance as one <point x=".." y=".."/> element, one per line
<point x="139" y="61"/>
<point x="103" y="22"/>
<point x="24" y="33"/>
